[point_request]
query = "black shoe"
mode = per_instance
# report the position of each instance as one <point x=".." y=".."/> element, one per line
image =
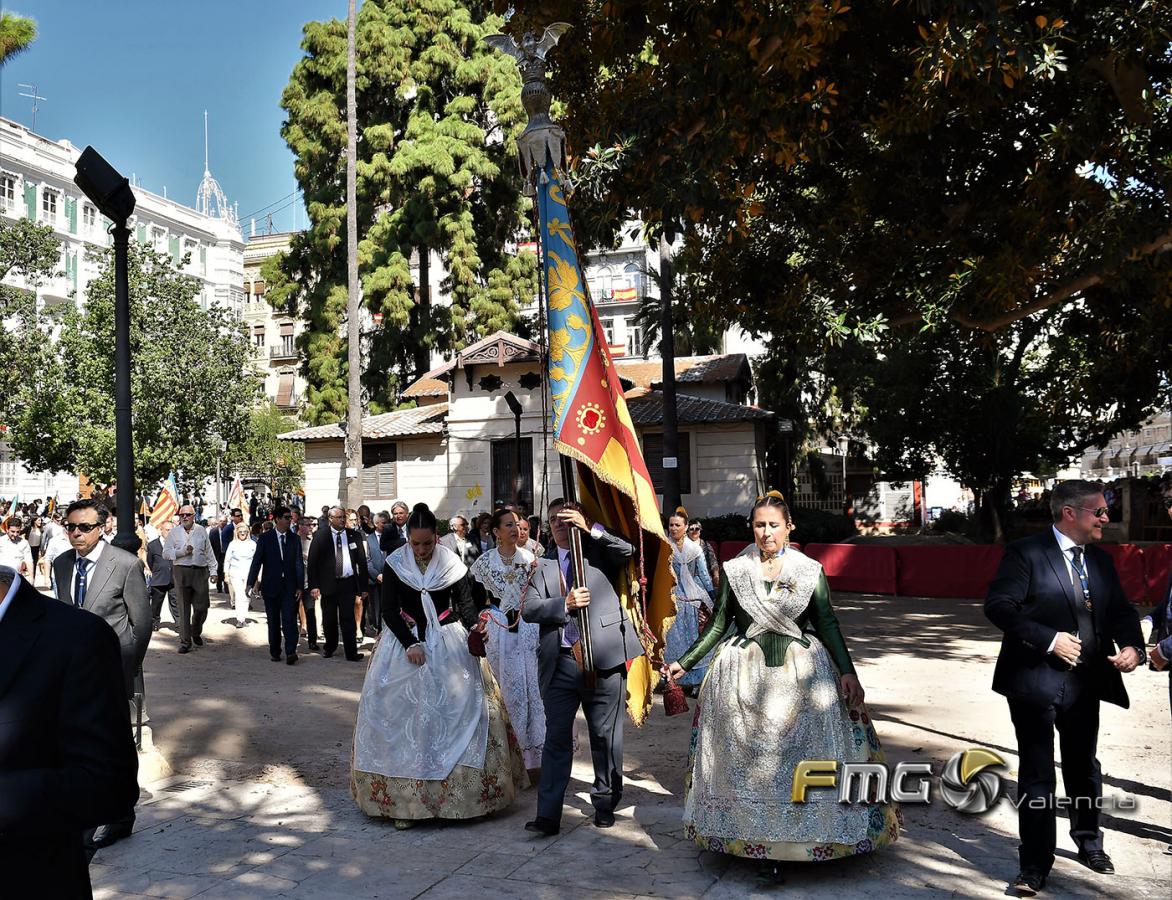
<point x="369" y="632"/>
<point x="276" y="658"/>
<point x="543" y="826"/>
<point x="1027" y="884"/>
<point x="603" y="818"/>
<point x="314" y="646"/>
<point x="329" y="653"/>
<point x="197" y="640"/>
<point x="105" y="835"/>
<point x="1097" y="861"/>
<point x="155" y="626"/>
<point x="291" y="659"/>
<point x="183" y="648"/>
<point x="356" y="657"/>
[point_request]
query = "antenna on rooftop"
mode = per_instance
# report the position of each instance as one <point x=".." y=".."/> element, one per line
<point x="34" y="96"/>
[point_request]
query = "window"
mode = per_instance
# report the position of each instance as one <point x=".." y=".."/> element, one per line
<point x="653" y="455"/>
<point x="7" y="192"/>
<point x="189" y="249"/>
<point x="89" y="217"/>
<point x="287" y="347"/>
<point x="601" y="285"/>
<point x="378" y="472"/>
<point x="509" y="485"/>
<point x="158" y="238"/>
<point x="49" y="203"/>
<point x="608" y="330"/>
<point x="258" y="335"/>
<point x="634" y="339"/>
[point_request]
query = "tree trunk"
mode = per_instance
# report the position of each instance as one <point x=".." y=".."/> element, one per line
<point x="353" y="333"/>
<point x="993" y="510"/>
<point x="422" y="314"/>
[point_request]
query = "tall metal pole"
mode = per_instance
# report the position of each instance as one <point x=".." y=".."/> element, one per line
<point x="353" y="336"/>
<point x="671" y="429"/>
<point x="126" y="538"/>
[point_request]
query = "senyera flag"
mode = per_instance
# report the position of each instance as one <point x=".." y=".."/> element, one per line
<point x="167" y="504"/>
<point x="593" y="426"/>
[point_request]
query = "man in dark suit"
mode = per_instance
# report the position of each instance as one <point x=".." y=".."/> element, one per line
<point x="278" y="554"/>
<point x="216" y="539"/>
<point x="1160" y="618"/>
<point x="551" y="603"/>
<point x="338" y="577"/>
<point x="1058" y="600"/>
<point x="394" y="535"/>
<point x="67" y="758"/>
<point x="162" y="582"/>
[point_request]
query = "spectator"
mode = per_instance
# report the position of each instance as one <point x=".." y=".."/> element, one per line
<point x="14" y="549"/>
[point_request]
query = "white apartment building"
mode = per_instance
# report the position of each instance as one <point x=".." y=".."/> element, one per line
<point x="273" y="332"/>
<point x="36" y="182"/>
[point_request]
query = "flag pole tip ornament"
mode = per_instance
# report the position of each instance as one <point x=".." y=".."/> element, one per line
<point x="542" y="140"/>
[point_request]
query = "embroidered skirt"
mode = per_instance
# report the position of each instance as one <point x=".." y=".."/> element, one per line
<point x="467" y="792"/>
<point x="753" y="724"/>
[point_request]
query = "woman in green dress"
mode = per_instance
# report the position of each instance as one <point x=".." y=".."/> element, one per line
<point x="780" y="689"/>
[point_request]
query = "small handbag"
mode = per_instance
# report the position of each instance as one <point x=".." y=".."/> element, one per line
<point x="476" y="644"/>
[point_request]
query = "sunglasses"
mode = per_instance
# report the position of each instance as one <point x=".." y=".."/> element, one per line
<point x="83" y="527"/>
<point x="1097" y="512"/>
<point x="187" y="515"/>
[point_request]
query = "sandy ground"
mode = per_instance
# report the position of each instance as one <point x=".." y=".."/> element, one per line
<point x="259" y="803"/>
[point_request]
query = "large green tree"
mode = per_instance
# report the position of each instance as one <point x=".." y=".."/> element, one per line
<point x="190" y="380"/>
<point x="29" y="254"/>
<point x="262" y="455"/>
<point x="850" y="175"/>
<point x="438" y="113"/>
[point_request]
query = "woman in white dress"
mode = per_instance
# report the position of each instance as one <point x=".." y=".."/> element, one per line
<point x="237" y="561"/>
<point x="525" y="541"/>
<point x="693" y="590"/>
<point x="511" y="643"/>
<point x="781" y="689"/>
<point x="432" y="739"/>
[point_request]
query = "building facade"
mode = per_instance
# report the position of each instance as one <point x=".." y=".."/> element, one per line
<point x="1145" y="451"/>
<point x="273" y="333"/>
<point x="36" y="183"/>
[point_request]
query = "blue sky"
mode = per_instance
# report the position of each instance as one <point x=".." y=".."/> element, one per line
<point x="133" y="77"/>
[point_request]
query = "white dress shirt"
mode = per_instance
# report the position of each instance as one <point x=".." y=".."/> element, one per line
<point x="347" y="567"/>
<point x="14" y="553"/>
<point x="179" y="539"/>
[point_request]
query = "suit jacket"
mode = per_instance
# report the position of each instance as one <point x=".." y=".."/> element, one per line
<point x="375" y="558"/>
<point x="283" y="575"/>
<point x="1162" y="623"/>
<point x="1032" y="598"/>
<point x="614" y="638"/>
<point x="393" y="537"/>
<point x="471" y="548"/>
<point x="320" y="570"/>
<point x="116" y="590"/>
<point x="67" y="757"/>
<point x="159" y="565"/>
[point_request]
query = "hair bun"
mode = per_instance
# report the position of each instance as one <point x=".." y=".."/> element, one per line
<point x="680" y="511"/>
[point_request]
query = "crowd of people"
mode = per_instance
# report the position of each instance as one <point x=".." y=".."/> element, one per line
<point x="479" y="668"/>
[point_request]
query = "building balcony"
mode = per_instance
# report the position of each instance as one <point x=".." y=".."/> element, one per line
<point x="283" y="351"/>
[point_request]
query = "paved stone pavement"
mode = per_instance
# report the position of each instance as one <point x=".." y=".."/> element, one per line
<point x="260" y="806"/>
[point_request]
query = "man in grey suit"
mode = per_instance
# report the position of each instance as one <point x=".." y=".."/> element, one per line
<point x="551" y="604"/>
<point x="98" y="577"/>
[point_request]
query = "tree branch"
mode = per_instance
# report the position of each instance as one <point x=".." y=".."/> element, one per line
<point x="1084" y="282"/>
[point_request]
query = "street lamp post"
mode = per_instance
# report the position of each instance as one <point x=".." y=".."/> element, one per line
<point x="110" y="192"/>
<point x="844" y="443"/>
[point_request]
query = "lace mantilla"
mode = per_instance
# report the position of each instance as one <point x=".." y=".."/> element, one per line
<point x="505" y="582"/>
<point x="776" y="607"/>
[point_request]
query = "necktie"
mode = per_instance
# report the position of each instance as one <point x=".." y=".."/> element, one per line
<point x="281" y="545"/>
<point x="570" y="634"/>
<point x="1086" y="627"/>
<point x="79" y="592"/>
<point x="338" y="555"/>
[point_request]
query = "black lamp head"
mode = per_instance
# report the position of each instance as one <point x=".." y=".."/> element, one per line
<point x="514" y="403"/>
<point x="109" y="191"/>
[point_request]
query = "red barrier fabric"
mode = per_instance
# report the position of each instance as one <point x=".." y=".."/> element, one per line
<point x="1157" y="568"/>
<point x="729" y="549"/>
<point x="1129" y="563"/>
<point x="865" y="568"/>
<point x="947" y="570"/>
